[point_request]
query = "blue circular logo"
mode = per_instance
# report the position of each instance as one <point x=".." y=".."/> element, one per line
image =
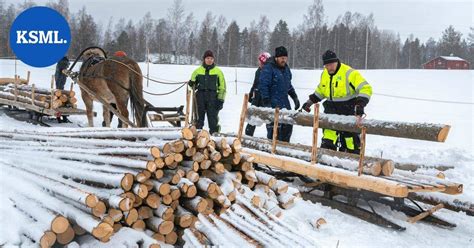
<point x="40" y="36"/>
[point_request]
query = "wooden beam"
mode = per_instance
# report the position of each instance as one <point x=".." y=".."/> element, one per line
<point x="425" y="214"/>
<point x="336" y="176"/>
<point x="362" y="150"/>
<point x="275" y="130"/>
<point x="243" y="113"/>
<point x="314" y="148"/>
<point x="419" y="131"/>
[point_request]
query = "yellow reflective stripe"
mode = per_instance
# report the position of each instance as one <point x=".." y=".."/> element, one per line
<point x="364" y="95"/>
<point x="349" y="143"/>
<point x="330" y="135"/>
<point x="361" y="85"/>
<point x="348" y="87"/>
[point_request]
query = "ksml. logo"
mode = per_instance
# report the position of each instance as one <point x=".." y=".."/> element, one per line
<point x="40" y="36"/>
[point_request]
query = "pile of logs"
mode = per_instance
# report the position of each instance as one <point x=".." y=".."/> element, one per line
<point x="171" y="184"/>
<point x="46" y="98"/>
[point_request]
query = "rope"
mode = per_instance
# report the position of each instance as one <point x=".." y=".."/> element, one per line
<point x="167" y="93"/>
<point x="395" y="96"/>
<point x="146" y="77"/>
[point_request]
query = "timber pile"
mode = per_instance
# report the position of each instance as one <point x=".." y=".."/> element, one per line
<point x="17" y="79"/>
<point x="176" y="186"/>
<point x="46" y="98"/>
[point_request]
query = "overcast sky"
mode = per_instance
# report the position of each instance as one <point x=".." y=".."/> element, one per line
<point x="422" y="18"/>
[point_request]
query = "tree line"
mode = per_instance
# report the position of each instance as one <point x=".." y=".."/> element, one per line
<point x="180" y="38"/>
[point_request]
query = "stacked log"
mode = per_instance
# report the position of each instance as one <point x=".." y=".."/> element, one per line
<point x="47" y="98"/>
<point x="162" y="188"/>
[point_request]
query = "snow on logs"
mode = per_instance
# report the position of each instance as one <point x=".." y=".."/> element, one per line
<point x="419" y="131"/>
<point x="164" y="183"/>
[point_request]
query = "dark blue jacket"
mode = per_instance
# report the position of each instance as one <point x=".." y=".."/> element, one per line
<point x="275" y="85"/>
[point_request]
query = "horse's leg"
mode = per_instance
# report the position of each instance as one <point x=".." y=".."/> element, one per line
<point x="89" y="107"/>
<point x="122" y="108"/>
<point x="107" y="117"/>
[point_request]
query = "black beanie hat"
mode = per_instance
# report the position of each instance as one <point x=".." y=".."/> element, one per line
<point x="329" y="57"/>
<point x="281" y="51"/>
<point x="208" y="53"/>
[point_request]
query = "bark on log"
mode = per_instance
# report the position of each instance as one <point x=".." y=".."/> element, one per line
<point x="420" y="131"/>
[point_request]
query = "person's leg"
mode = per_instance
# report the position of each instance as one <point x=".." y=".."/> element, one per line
<point x="285" y="132"/>
<point x="249" y="130"/>
<point x="269" y="130"/>
<point x="329" y="140"/>
<point x="212" y="113"/>
<point x="201" y="109"/>
<point x="350" y="142"/>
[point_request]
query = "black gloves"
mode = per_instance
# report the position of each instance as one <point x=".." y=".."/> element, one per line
<point x="361" y="102"/>
<point x="219" y="104"/>
<point x="312" y="99"/>
<point x="295" y="99"/>
<point x="307" y="105"/>
<point x="191" y="83"/>
<point x="359" y="110"/>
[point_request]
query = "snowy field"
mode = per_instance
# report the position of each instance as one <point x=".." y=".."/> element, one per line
<point x="450" y="95"/>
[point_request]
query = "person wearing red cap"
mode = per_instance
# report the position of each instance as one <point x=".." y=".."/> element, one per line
<point x="209" y="83"/>
<point x="254" y="94"/>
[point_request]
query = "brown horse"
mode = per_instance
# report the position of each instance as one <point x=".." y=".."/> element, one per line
<point x="115" y="82"/>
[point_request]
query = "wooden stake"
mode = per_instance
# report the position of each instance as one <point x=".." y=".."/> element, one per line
<point x="243" y="114"/>
<point x="314" y="150"/>
<point x="425" y="214"/>
<point x="52" y="92"/>
<point x="33" y="94"/>
<point x="188" y="100"/>
<point x="362" y="150"/>
<point x="275" y="129"/>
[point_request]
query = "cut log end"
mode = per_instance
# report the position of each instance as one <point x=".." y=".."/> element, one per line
<point x="102" y="230"/>
<point x="443" y="134"/>
<point x="92" y="201"/>
<point x="59" y="224"/>
<point x="66" y="237"/>
<point x="48" y="239"/>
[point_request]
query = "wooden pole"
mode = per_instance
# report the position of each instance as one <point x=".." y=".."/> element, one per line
<point x="425" y="214"/>
<point x="188" y="99"/>
<point x="243" y="114"/>
<point x="314" y="150"/>
<point x="275" y="129"/>
<point x="33" y="94"/>
<point x="52" y="92"/>
<point x="16" y="86"/>
<point x="362" y="150"/>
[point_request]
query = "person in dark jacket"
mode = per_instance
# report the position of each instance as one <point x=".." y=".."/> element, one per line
<point x="210" y="84"/>
<point x="254" y="94"/>
<point x="275" y="86"/>
<point x="59" y="76"/>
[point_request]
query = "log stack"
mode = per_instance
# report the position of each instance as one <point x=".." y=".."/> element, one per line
<point x="46" y="98"/>
<point x="180" y="184"/>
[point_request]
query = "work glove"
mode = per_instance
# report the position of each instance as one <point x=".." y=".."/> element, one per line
<point x="251" y="96"/>
<point x="360" y="104"/>
<point x="295" y="99"/>
<point x="191" y="83"/>
<point x="307" y="105"/>
<point x="359" y="110"/>
<point x="219" y="104"/>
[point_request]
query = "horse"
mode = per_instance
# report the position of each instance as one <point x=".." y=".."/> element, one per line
<point x="116" y="80"/>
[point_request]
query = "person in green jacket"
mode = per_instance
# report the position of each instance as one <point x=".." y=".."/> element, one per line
<point x="346" y="92"/>
<point x="209" y="83"/>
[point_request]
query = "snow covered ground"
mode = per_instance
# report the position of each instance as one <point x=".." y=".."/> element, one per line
<point x="452" y="93"/>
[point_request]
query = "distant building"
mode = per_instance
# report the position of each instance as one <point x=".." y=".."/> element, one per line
<point x="447" y="63"/>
